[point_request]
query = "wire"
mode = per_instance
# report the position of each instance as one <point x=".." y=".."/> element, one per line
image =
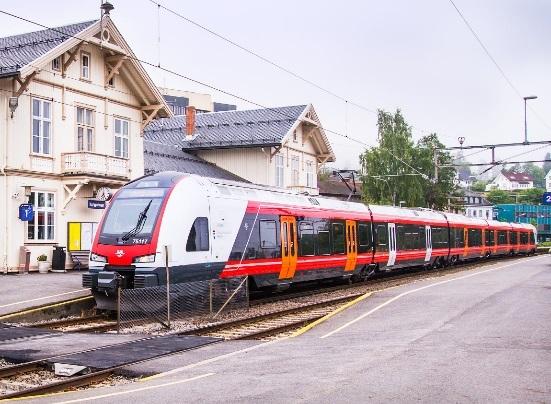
<point x="471" y="154"/>
<point x="212" y="87"/>
<point x="495" y="62"/>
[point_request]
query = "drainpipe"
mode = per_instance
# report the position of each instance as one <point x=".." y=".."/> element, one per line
<point x="5" y="174"/>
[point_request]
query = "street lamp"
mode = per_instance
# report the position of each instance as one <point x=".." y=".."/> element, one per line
<point x="530" y="97"/>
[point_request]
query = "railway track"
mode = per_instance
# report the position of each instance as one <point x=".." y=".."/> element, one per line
<point x="272" y="324"/>
<point x="94" y="323"/>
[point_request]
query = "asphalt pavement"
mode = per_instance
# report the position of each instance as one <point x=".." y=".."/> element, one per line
<point x="477" y="336"/>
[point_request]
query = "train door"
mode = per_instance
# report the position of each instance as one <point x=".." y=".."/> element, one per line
<point x="391" y="244"/>
<point x="288" y="247"/>
<point x="428" y="238"/>
<point x="466" y="241"/>
<point x="351" y="246"/>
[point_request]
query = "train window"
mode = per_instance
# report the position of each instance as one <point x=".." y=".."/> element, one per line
<point x="323" y="238"/>
<point x="422" y="240"/>
<point x="268" y="234"/>
<point x="292" y="237"/>
<point x="364" y="237"/>
<point x="501" y="237"/>
<point x="523" y="238"/>
<point x="381" y="232"/>
<point x="439" y="237"/>
<point x="198" y="239"/>
<point x="458" y="237"/>
<point x="487" y="238"/>
<point x="475" y="237"/>
<point x="532" y="238"/>
<point x="401" y="239"/>
<point x="306" y="238"/>
<point x="514" y="237"/>
<point x="338" y="238"/>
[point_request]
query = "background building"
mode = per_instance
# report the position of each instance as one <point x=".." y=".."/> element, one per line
<point x="538" y="215"/>
<point x="510" y="181"/>
<point x="476" y="205"/>
<point x="75" y="101"/>
<point x="179" y="100"/>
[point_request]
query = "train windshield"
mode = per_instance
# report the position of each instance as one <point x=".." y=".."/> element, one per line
<point x="132" y="216"/>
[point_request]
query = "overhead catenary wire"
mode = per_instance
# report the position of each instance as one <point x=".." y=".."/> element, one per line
<point x="210" y="86"/>
<point x="494" y="62"/>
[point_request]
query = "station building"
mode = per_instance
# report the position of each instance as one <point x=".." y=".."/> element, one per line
<point x="538" y="215"/>
<point x="74" y="101"/>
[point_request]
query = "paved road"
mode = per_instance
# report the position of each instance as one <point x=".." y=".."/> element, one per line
<point x="476" y="336"/>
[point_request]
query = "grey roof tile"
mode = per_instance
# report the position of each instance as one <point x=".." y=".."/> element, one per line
<point x="249" y="128"/>
<point x="19" y="50"/>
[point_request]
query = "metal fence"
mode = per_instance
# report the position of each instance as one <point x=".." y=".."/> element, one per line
<point x="180" y="301"/>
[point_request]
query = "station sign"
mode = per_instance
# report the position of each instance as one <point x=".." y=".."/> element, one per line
<point x="26" y="212"/>
<point x="95" y="204"/>
<point x="546" y="198"/>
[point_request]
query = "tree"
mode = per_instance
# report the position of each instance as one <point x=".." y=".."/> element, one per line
<point x="479" y="186"/>
<point x="536" y="172"/>
<point x="532" y="196"/>
<point x="497" y="196"/>
<point x="388" y="176"/>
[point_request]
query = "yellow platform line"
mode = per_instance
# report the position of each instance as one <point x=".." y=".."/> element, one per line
<point x="41" y="308"/>
<point x="329" y="315"/>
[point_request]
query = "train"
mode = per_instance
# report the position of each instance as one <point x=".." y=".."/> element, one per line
<point x="204" y="228"/>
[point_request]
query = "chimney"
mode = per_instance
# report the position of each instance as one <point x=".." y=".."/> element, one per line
<point x="106" y="8"/>
<point x="190" y="122"/>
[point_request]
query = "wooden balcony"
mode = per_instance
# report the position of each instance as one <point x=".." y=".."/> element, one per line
<point x="87" y="163"/>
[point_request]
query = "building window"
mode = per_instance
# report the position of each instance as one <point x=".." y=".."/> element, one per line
<point x="310" y="174"/>
<point x="42" y="227"/>
<point x="121" y="137"/>
<point x="295" y="136"/>
<point x="111" y="82"/>
<point x="85" y="65"/>
<point x="56" y="64"/>
<point x="294" y="170"/>
<point x="85" y="129"/>
<point x="279" y="170"/>
<point x="42" y="124"/>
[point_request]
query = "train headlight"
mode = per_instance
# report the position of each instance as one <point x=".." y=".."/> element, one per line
<point x="97" y="258"/>
<point x="144" y="259"/>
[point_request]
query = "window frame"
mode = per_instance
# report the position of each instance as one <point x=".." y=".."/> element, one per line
<point x="85" y="128"/>
<point x="201" y="247"/>
<point x="83" y="55"/>
<point x="59" y="59"/>
<point x="279" y="161"/>
<point x="260" y="233"/>
<point x="42" y="120"/>
<point x="310" y="174"/>
<point x="334" y="249"/>
<point x="295" y="170"/>
<point x="45" y="209"/>
<point x="300" y="226"/>
<point x="122" y="137"/>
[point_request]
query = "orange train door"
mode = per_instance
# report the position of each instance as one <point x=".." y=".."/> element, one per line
<point x="466" y="238"/>
<point x="288" y="247"/>
<point x="351" y="246"/>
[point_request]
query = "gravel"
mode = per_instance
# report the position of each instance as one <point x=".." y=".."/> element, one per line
<point x="198" y="321"/>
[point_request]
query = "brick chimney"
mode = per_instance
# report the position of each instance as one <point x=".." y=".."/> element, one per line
<point x="190" y="122"/>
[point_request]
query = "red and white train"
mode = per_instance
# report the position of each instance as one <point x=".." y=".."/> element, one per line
<point x="223" y="229"/>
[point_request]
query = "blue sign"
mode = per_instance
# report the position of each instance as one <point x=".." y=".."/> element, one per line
<point x="26" y="212"/>
<point x="95" y="204"/>
<point x="546" y="199"/>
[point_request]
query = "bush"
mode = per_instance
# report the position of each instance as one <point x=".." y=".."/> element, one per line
<point x="42" y="257"/>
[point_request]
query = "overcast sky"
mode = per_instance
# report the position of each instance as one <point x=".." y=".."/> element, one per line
<point x="414" y="55"/>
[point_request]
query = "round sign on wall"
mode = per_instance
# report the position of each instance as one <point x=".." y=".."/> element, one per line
<point x="104" y="194"/>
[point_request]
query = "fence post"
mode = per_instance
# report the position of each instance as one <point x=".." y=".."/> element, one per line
<point x="118" y="310"/>
<point x="211" y="287"/>
<point x="167" y="287"/>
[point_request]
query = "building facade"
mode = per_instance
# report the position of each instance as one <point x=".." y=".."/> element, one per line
<point x="510" y="181"/>
<point x="476" y="205"/>
<point x="282" y="147"/>
<point x="538" y="215"/>
<point x="74" y="102"/>
<point x="179" y="100"/>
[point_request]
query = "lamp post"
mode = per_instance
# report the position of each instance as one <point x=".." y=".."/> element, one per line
<point x="530" y="97"/>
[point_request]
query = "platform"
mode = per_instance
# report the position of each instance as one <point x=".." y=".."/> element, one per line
<point x="481" y="335"/>
<point x="20" y="292"/>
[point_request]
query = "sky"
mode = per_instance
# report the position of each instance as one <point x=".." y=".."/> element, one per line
<point x="418" y="56"/>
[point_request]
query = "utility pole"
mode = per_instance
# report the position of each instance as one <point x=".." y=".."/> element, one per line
<point x="530" y="97"/>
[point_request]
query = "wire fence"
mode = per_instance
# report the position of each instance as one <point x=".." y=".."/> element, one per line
<point x="179" y="301"/>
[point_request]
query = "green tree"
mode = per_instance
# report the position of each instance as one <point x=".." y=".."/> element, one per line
<point x="536" y="172"/>
<point x="532" y="196"/>
<point x="387" y="168"/>
<point x="497" y="196"/>
<point x="479" y="186"/>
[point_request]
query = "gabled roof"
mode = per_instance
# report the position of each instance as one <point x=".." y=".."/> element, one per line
<point x="167" y="157"/>
<point x="517" y="177"/>
<point x="264" y="127"/>
<point x="25" y="54"/>
<point x="20" y="50"/>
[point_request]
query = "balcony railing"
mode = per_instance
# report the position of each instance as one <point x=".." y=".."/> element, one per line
<point x="93" y="163"/>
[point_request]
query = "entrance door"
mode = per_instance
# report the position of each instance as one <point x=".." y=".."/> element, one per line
<point x="288" y="247"/>
<point x="428" y="238"/>
<point x="391" y="244"/>
<point x="351" y="246"/>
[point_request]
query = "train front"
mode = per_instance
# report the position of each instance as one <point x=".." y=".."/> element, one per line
<point x="124" y="253"/>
